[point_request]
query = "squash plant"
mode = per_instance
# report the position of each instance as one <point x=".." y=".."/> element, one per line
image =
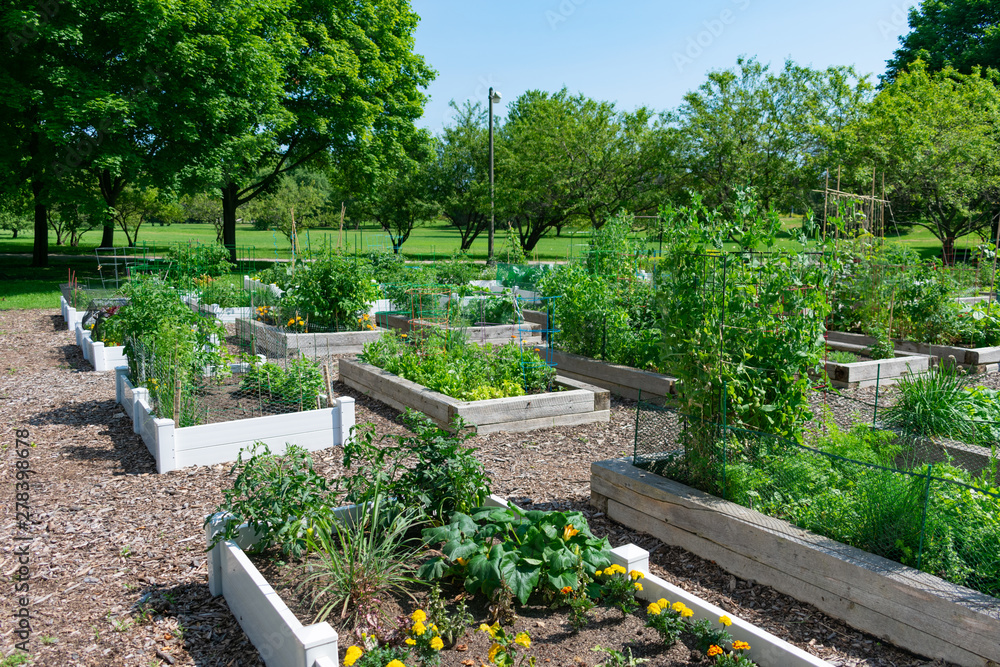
<point x="523" y="551"/>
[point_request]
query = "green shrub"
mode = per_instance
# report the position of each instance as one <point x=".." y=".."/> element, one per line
<point x="279" y="497"/>
<point x="300" y="383"/>
<point x="198" y="259"/>
<point x="330" y="293"/>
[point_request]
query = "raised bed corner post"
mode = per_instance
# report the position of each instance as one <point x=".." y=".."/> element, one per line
<point x="923" y="520"/>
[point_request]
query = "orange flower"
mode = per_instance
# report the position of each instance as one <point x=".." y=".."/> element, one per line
<point x="714" y="650"/>
<point x="566" y="590"/>
<point x="569" y="531"/>
<point x="741" y="646"/>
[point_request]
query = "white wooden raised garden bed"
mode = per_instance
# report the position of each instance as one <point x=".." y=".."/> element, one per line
<point x="904" y="606"/>
<point x="209" y="444"/>
<point x="580" y="403"/>
<point x="71" y="315"/>
<point x="284" y="642"/>
<point x="976" y="359"/>
<point x="102" y="357"/>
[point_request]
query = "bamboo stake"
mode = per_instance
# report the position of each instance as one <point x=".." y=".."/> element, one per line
<point x="329" y="385"/>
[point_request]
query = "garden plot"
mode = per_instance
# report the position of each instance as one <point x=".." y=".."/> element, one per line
<point x="102" y="357"/>
<point x="867" y="372"/>
<point x="220" y="437"/>
<point x="272" y="342"/>
<point x="283" y="639"/>
<point x="528" y="332"/>
<point x="579" y="403"/>
<point x="905" y="606"/>
<point x="620" y="380"/>
<point x="978" y="359"/>
<point x="214" y="310"/>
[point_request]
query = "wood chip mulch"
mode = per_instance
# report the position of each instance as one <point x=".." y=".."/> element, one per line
<point x="117" y="563"/>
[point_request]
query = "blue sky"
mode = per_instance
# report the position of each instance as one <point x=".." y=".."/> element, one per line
<point x="636" y="52"/>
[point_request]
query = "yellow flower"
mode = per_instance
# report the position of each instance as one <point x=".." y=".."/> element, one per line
<point x="741" y="646"/>
<point x="598" y="573"/>
<point x="638" y="586"/>
<point x="419" y="628"/>
<point x="662" y="604"/>
<point x="569" y="531"/>
<point x="291" y="322"/>
<point x="402" y="335"/>
<point x="523" y="639"/>
<point x="411" y="641"/>
<point x="726" y="621"/>
<point x="714" y="650"/>
<point x="678" y="606"/>
<point x="636" y="574"/>
<point x="418" y="616"/>
<point x="461" y="561"/>
<point x="395" y="663"/>
<point x="366" y="316"/>
<point x="485" y="628"/>
<point x="352" y="655"/>
<point x="494" y="629"/>
<point x="437" y="644"/>
<point x="653" y="609"/>
<point x="686" y="613"/>
<point x="493" y="652"/>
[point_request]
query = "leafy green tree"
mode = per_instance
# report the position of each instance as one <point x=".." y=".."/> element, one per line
<point x="459" y="174"/>
<point x="15" y="210"/>
<point x="750" y="127"/>
<point x="962" y="34"/>
<point x="400" y="201"/>
<point x="294" y="205"/>
<point x="135" y="207"/>
<point x="937" y="138"/>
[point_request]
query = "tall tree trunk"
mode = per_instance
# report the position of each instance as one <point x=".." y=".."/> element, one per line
<point x="40" y="248"/>
<point x="229" y="203"/>
<point x="108" y="236"/>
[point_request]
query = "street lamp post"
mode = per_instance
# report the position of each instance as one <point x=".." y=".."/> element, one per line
<point x="494" y="97"/>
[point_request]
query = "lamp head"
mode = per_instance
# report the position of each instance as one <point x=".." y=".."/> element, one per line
<point x="494" y="96"/>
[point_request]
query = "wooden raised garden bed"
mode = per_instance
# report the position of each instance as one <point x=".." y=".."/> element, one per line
<point x="906" y="607"/>
<point x="269" y="341"/>
<point x="977" y="359"/>
<point x="102" y="357"/>
<point x="209" y="444"/>
<point x="282" y="639"/>
<point x="581" y="403"/>
<point x="620" y="380"/>
<point x="497" y="334"/>
<point x="869" y="372"/>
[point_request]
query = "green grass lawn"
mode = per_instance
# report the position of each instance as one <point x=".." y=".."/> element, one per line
<point x="25" y="287"/>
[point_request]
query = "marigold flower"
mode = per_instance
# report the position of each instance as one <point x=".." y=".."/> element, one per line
<point x="290" y="322"/>
<point x="663" y="604"/>
<point x="437" y="644"/>
<point x="725" y="620"/>
<point x="638" y="586"/>
<point x="636" y="574"/>
<point x="740" y="646"/>
<point x="714" y="650"/>
<point x="523" y="639"/>
<point x="418" y="616"/>
<point x="419" y="628"/>
<point x="395" y="663"/>
<point x="569" y="531"/>
<point x="352" y="655"/>
<point x="566" y="590"/>
<point x="653" y="609"/>
<point x="686" y="613"/>
<point x="598" y="573"/>
<point x="411" y="641"/>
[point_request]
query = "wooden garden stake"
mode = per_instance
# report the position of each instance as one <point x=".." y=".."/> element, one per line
<point x="329" y="386"/>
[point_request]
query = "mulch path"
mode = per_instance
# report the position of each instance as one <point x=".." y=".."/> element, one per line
<point x="118" y="569"/>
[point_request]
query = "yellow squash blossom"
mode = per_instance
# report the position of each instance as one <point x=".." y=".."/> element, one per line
<point x="569" y="531"/>
<point x="352" y="655"/>
<point x="437" y="644"/>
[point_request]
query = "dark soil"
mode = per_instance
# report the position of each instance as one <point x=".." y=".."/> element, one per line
<point x="118" y="569"/>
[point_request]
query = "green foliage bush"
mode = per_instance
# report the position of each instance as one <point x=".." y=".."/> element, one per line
<point x="300" y="383"/>
<point x="446" y="363"/>
<point x="432" y="469"/>
<point x="200" y="259"/>
<point x="330" y="293"/>
<point x="524" y="552"/>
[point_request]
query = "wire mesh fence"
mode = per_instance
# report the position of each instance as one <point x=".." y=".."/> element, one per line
<point x="923" y="502"/>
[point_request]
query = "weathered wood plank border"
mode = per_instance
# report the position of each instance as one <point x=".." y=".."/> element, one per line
<point x="906" y="607"/>
<point x="267" y="340"/>
<point x="580" y="404"/>
<point x="980" y="359"/>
